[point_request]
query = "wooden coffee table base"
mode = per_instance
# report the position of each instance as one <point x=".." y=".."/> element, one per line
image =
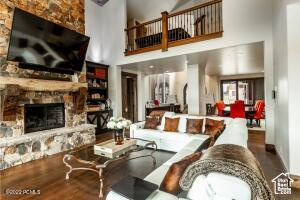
<point x="91" y="166"/>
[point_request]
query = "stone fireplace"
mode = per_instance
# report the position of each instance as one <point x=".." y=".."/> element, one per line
<point x="36" y="124"/>
<point x="28" y="130"/>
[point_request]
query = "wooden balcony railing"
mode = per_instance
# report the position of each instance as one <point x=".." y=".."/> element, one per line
<point x="202" y="22"/>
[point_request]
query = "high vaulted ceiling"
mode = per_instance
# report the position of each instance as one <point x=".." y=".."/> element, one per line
<point x="237" y="60"/>
<point x="144" y="10"/>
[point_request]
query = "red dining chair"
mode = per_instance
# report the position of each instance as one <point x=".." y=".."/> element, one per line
<point x="259" y="113"/>
<point x="257" y="104"/>
<point x="220" y="107"/>
<point x="237" y="110"/>
<point x="240" y="101"/>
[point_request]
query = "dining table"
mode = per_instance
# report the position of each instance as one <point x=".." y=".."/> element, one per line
<point x="249" y="110"/>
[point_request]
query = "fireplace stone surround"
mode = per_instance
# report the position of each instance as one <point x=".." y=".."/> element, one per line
<point x="17" y="148"/>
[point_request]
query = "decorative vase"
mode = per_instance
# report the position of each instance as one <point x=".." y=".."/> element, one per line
<point x="119" y="136"/>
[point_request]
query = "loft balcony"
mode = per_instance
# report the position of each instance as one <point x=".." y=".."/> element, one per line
<point x="199" y="23"/>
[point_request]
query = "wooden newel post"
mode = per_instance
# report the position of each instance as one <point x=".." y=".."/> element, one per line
<point x="164" y="40"/>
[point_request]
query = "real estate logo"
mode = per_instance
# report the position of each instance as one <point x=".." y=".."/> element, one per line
<point x="283" y="184"/>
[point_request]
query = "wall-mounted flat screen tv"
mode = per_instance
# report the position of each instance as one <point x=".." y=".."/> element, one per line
<point x="42" y="45"/>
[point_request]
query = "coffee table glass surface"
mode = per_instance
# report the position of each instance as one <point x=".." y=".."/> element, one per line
<point x="86" y="159"/>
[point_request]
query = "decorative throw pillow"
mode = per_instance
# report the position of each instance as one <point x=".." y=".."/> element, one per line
<point x="151" y="123"/>
<point x="171" y="124"/>
<point x="158" y="113"/>
<point x="194" y="126"/>
<point x="170" y="184"/>
<point x="213" y="127"/>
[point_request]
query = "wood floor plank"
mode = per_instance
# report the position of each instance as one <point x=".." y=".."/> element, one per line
<point x="48" y="174"/>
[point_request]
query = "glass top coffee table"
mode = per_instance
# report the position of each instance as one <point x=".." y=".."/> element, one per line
<point x="86" y="159"/>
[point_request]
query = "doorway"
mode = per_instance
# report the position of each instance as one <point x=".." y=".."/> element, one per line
<point x="129" y="96"/>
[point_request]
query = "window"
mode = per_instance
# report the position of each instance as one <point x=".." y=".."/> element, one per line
<point x="229" y="92"/>
<point x="160" y="85"/>
<point x="248" y="90"/>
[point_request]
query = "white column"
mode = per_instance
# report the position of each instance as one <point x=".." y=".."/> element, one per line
<point x="115" y="89"/>
<point x="202" y="98"/>
<point x="193" y="90"/>
<point x="196" y="89"/>
<point x="143" y="94"/>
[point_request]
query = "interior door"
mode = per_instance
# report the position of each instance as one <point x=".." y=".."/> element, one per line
<point x="129" y="96"/>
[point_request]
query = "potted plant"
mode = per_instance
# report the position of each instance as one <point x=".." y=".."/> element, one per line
<point x="118" y="125"/>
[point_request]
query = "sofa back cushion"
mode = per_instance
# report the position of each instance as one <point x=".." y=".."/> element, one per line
<point x="170" y="183"/>
<point x="214" y="127"/>
<point x="151" y="122"/>
<point x="194" y="126"/>
<point x="163" y="120"/>
<point x="171" y="124"/>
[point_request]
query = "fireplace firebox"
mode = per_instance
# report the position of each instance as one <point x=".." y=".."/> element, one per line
<point x="40" y="117"/>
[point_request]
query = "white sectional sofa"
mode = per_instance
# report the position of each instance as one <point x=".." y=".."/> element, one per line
<point x="214" y="185"/>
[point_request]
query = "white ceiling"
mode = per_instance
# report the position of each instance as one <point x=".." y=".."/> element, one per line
<point x="243" y="59"/>
<point x="144" y="10"/>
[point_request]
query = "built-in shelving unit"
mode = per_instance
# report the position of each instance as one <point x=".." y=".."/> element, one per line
<point x="97" y="79"/>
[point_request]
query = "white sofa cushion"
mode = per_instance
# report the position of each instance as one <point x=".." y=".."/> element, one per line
<point x="148" y="134"/>
<point x="236" y="133"/>
<point x="178" y="156"/>
<point x="219" y="186"/>
<point x="195" y="142"/>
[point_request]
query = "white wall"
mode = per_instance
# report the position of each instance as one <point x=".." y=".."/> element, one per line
<point x="281" y="82"/>
<point x="105" y="25"/>
<point x="293" y="49"/>
<point x="213" y="86"/>
<point x="286" y="30"/>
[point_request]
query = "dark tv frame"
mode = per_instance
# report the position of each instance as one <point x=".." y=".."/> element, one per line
<point x="37" y="67"/>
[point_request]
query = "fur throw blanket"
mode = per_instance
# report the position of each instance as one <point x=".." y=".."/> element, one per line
<point x="232" y="160"/>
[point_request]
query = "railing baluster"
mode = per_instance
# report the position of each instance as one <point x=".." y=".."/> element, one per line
<point x="219" y="18"/>
<point x="215" y="17"/>
<point x="206" y="11"/>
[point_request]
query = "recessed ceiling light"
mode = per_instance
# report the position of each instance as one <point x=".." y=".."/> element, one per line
<point x="151" y="66"/>
<point x="167" y="71"/>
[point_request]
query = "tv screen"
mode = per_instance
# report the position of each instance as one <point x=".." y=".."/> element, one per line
<point x="42" y="45"/>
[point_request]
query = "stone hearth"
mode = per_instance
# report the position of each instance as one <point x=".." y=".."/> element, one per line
<point x="17" y="150"/>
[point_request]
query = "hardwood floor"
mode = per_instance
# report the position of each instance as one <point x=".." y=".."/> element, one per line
<point x="48" y="174"/>
<point x="270" y="163"/>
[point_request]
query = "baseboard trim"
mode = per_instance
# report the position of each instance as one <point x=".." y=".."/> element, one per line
<point x="296" y="183"/>
<point x="270" y="148"/>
